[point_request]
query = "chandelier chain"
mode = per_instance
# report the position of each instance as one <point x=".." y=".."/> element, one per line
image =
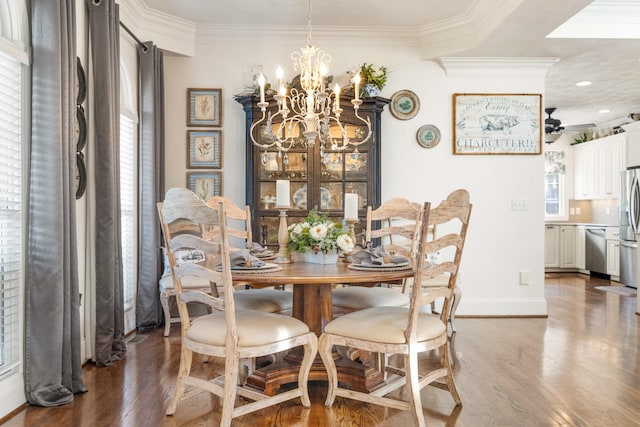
<point x="309" y="26"/>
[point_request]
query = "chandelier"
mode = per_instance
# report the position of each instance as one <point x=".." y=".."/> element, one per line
<point x="313" y="109"/>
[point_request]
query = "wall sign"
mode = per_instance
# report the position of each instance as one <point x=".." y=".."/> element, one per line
<point x="497" y="123"/>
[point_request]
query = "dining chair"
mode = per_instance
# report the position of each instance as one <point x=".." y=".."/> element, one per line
<point x="268" y="300"/>
<point x="228" y="332"/>
<point x="396" y="225"/>
<point x="407" y="331"/>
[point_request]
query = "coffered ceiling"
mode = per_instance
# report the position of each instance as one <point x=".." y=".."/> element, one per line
<point x="601" y="45"/>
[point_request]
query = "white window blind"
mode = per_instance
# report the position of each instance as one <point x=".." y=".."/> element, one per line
<point x="128" y="183"/>
<point x="10" y="212"/>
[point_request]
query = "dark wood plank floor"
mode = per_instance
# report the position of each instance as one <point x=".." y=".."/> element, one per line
<point x="578" y="367"/>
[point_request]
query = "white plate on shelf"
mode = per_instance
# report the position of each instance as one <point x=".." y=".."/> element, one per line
<point x="300" y="198"/>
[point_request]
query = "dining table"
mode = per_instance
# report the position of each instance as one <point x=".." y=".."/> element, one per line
<point x="312" y="303"/>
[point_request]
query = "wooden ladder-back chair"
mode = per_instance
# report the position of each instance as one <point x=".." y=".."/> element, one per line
<point x="398" y="228"/>
<point x="268" y="300"/>
<point x="228" y="332"/>
<point x="407" y="331"/>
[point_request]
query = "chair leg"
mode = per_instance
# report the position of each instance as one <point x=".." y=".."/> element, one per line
<point x="445" y="362"/>
<point x="231" y="367"/>
<point x="186" y="357"/>
<point x="325" y="346"/>
<point x="164" y="300"/>
<point x="457" y="295"/>
<point x="413" y="387"/>
<point x="310" y="351"/>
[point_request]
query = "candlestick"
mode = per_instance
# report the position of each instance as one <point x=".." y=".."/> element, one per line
<point x="350" y="206"/>
<point x="351" y="222"/>
<point x="279" y="74"/>
<point x="283" y="194"/>
<point x="283" y="256"/>
<point x="336" y="90"/>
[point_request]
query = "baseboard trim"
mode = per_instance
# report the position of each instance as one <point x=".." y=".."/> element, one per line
<point x="486" y="307"/>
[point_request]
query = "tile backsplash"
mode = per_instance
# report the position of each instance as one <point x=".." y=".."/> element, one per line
<point x="594" y="211"/>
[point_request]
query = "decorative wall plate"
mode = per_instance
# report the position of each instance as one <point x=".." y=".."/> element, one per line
<point x="81" y="83"/>
<point x="428" y="136"/>
<point x="80" y="129"/>
<point x="404" y="105"/>
<point x="81" y="175"/>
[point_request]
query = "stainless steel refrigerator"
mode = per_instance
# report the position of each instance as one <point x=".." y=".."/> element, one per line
<point x="629" y="223"/>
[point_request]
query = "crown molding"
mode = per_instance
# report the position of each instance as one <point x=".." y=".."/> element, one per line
<point x="517" y="67"/>
<point x="166" y="31"/>
<point x="465" y="31"/>
<point x="214" y="34"/>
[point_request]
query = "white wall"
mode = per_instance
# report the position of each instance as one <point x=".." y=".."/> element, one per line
<point x="500" y="243"/>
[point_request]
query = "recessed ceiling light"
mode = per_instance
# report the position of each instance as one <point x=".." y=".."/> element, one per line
<point x="603" y="111"/>
<point x="584" y="83"/>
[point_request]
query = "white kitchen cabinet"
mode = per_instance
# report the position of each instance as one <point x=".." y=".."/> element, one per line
<point x="612" y="235"/>
<point x="632" y="142"/>
<point x="597" y="166"/>
<point x="580" y="247"/>
<point x="568" y="246"/>
<point x="552" y="246"/>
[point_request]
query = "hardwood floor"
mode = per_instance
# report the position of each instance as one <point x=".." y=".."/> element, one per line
<point x="578" y="367"/>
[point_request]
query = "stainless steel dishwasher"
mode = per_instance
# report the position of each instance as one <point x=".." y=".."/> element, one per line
<point x="596" y="249"/>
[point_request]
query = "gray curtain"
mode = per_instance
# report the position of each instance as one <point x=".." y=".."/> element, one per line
<point x="151" y="188"/>
<point x="53" y="369"/>
<point x="104" y="30"/>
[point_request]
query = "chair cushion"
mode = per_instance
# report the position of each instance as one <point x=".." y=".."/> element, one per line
<point x="266" y="300"/>
<point x="254" y="328"/>
<point x="359" y="298"/>
<point x="384" y="325"/>
<point x="188" y="282"/>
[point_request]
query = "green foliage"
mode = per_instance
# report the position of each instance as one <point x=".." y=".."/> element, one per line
<point x="316" y="233"/>
<point x="372" y="75"/>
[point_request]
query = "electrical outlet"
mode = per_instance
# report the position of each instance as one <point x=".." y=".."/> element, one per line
<point x="572" y="211"/>
<point x="524" y="278"/>
<point x="519" y="205"/>
<point x="577" y="211"/>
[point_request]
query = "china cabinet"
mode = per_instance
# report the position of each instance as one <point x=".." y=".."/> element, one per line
<point x="319" y="176"/>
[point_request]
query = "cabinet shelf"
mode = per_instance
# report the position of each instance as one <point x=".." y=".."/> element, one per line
<point x="316" y="181"/>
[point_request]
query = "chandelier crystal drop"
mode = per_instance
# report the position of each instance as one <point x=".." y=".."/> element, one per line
<point x="313" y="109"/>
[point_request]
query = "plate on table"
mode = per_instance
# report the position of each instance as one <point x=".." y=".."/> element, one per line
<point x="390" y="266"/>
<point x="267" y="267"/>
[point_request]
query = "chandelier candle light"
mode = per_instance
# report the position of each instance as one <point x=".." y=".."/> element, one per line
<point x="283" y="202"/>
<point x="313" y="109"/>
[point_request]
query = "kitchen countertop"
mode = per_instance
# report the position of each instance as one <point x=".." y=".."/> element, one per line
<point x="579" y="223"/>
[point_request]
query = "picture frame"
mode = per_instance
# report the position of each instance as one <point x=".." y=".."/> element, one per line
<point x="497" y="123"/>
<point x="404" y="105"/>
<point x="204" y="107"/>
<point x="205" y="184"/>
<point x="204" y="149"/>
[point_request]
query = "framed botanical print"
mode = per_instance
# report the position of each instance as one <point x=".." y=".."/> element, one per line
<point x="204" y="149"/>
<point x="497" y="123"/>
<point x="204" y="107"/>
<point x="205" y="184"/>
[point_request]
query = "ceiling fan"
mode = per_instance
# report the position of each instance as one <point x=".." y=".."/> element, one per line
<point x="553" y="128"/>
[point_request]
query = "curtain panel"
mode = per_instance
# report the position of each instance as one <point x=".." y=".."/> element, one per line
<point x="104" y="38"/>
<point x="151" y="189"/>
<point x="53" y="366"/>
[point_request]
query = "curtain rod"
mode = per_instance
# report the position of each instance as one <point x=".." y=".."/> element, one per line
<point x="134" y="36"/>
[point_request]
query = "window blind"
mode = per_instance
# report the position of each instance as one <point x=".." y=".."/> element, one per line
<point x="10" y="212"/>
<point x="128" y="215"/>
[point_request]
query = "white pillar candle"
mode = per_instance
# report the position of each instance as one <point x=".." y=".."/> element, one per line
<point x="351" y="206"/>
<point x="261" y="83"/>
<point x="282" y="194"/>
<point x="356" y="81"/>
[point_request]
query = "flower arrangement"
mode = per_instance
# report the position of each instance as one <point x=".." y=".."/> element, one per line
<point x="318" y="233"/>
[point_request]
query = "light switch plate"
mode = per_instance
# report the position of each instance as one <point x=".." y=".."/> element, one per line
<point x="519" y="205"/>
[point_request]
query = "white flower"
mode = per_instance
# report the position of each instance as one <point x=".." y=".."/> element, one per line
<point x="318" y="231"/>
<point x="345" y="242"/>
<point x="298" y="228"/>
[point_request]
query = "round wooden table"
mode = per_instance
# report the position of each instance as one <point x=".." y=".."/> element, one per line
<point x="312" y="285"/>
